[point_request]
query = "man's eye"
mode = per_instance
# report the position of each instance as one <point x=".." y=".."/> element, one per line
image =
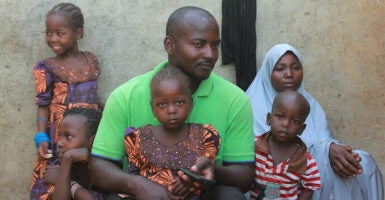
<point x="198" y="45"/>
<point x="216" y="45"/>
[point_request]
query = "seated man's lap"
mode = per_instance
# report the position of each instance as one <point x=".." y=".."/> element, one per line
<point x="224" y="192"/>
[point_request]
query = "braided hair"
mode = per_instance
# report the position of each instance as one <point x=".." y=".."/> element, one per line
<point x="92" y="117"/>
<point x="72" y="13"/>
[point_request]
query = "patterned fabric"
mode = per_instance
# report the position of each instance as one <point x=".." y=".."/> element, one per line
<point x="61" y="88"/>
<point x="158" y="162"/>
<point x="282" y="181"/>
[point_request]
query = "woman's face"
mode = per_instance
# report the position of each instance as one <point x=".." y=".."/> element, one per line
<point x="287" y="73"/>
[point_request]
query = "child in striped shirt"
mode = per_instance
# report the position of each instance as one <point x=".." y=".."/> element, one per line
<point x="283" y="166"/>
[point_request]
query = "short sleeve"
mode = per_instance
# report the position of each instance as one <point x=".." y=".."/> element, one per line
<point x="44" y="83"/>
<point x="132" y="144"/>
<point x="311" y="179"/>
<point x="211" y="142"/>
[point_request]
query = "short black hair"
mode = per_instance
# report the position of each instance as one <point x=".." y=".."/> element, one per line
<point x="171" y="73"/>
<point x="178" y="15"/>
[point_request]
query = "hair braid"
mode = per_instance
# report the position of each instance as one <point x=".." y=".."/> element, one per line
<point x="71" y="12"/>
<point x="92" y="116"/>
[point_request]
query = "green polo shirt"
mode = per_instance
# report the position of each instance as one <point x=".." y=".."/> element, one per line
<point x="217" y="102"/>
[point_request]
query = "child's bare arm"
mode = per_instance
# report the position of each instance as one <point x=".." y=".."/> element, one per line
<point x="65" y="188"/>
<point x="41" y="122"/>
<point x="306" y="194"/>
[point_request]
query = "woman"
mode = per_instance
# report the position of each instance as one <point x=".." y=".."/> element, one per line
<point x="340" y="167"/>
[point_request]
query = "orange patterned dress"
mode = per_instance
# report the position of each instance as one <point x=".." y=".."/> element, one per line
<point x="60" y="88"/>
<point x="158" y="162"/>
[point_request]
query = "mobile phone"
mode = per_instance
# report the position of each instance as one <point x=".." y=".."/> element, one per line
<point x="197" y="177"/>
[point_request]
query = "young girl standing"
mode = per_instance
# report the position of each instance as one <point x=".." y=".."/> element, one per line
<point x="65" y="81"/>
<point x="159" y="152"/>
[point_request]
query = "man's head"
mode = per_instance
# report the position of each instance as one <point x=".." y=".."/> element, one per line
<point x="192" y="41"/>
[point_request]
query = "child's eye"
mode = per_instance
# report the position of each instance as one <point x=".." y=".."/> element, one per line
<point x="48" y="33"/>
<point x="162" y="105"/>
<point x="179" y="102"/>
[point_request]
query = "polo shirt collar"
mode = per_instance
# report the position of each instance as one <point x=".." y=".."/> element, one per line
<point x="204" y="89"/>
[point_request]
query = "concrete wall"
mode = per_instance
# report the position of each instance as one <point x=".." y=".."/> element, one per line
<point x="342" y="43"/>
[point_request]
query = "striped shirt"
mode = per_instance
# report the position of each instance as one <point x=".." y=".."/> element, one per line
<point x="284" y="180"/>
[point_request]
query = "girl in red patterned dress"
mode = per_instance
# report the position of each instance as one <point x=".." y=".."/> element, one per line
<point x="65" y="81"/>
<point x="159" y="152"/>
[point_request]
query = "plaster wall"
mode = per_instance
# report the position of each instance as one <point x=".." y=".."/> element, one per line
<point x="342" y="43"/>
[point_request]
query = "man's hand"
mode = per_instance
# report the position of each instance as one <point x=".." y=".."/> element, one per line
<point x="178" y="189"/>
<point x="146" y="189"/>
<point x="344" y="162"/>
<point x="204" y="167"/>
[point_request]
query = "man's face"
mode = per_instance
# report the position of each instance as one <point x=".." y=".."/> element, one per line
<point x="196" y="47"/>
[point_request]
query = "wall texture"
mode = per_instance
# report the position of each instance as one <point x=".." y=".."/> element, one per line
<point x="342" y="43"/>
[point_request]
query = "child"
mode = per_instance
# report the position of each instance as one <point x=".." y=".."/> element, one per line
<point x="284" y="169"/>
<point x="65" y="81"/>
<point x="76" y="133"/>
<point x="159" y="152"/>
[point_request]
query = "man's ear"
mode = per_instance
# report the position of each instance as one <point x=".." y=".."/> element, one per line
<point x="268" y="119"/>
<point x="169" y="45"/>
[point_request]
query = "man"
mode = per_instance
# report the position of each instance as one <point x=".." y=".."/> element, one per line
<point x="191" y="42"/>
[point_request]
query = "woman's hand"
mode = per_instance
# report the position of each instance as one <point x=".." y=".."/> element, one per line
<point x="343" y="161"/>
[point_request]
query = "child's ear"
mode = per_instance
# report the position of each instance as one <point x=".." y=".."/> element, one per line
<point x="191" y="105"/>
<point x="91" y="141"/>
<point x="302" y="129"/>
<point x="79" y="33"/>
<point x="268" y="119"/>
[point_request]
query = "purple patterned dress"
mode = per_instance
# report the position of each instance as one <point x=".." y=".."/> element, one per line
<point x="60" y="88"/>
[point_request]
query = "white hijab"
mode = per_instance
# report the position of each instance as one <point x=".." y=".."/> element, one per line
<point x="262" y="94"/>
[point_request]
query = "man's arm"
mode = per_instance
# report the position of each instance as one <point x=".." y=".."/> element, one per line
<point x="109" y="177"/>
<point x="237" y="175"/>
